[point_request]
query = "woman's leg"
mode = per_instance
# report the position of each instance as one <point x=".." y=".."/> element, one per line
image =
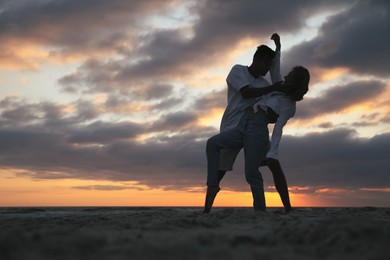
<point x="280" y="182"/>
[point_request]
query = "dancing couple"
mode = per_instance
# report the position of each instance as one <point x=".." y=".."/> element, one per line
<point x="253" y="103"/>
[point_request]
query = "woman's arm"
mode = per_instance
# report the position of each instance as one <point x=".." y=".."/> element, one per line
<point x="275" y="68"/>
<point x="285" y="114"/>
<point x="276" y="137"/>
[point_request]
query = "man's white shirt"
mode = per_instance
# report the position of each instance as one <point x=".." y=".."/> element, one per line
<point x="238" y="78"/>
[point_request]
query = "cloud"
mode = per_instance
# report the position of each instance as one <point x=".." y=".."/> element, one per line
<point x="103" y="133"/>
<point x="71" y="30"/>
<point x="109" y="151"/>
<point x="70" y="23"/>
<point x="212" y="100"/>
<point x="338" y="98"/>
<point x="18" y="112"/>
<point x="175" y="121"/>
<point x="357" y="39"/>
<point x="336" y="159"/>
<point x="171" y="53"/>
<point x="167" y="103"/>
<point x="157" y="91"/>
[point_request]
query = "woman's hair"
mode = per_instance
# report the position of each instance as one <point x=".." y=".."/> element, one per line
<point x="301" y="83"/>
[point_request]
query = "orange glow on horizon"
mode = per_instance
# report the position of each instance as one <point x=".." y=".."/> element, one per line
<point x="22" y="191"/>
<point x="376" y="189"/>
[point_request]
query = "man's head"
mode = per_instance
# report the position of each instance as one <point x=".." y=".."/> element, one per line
<point x="262" y="60"/>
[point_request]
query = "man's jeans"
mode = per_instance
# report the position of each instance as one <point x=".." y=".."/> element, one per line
<point x="251" y="134"/>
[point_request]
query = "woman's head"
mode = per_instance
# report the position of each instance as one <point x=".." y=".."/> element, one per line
<point x="298" y="82"/>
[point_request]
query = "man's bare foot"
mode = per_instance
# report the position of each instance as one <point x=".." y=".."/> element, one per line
<point x="212" y="192"/>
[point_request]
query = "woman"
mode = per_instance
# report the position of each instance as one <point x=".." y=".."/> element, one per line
<point x="283" y="107"/>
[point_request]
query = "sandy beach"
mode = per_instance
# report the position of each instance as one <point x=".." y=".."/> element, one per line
<point x="186" y="233"/>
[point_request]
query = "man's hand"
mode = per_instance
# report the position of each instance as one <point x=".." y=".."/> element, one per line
<point x="272" y="116"/>
<point x="276" y="38"/>
<point x="284" y="88"/>
<point x="271" y="161"/>
<point x="278" y="86"/>
<point x="288" y="88"/>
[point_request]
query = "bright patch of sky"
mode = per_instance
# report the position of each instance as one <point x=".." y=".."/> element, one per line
<point x="179" y="17"/>
<point x="38" y="85"/>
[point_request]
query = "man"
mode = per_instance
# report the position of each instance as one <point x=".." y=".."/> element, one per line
<point x="242" y="127"/>
<point x="228" y="156"/>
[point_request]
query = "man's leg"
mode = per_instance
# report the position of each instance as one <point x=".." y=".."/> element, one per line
<point x="280" y="182"/>
<point x="255" y="147"/>
<point x="211" y="193"/>
<point x="227" y="159"/>
<point x="221" y="173"/>
<point x="231" y="139"/>
<point x="227" y="140"/>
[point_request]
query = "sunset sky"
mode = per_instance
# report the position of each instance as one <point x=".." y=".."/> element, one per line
<point x="110" y="103"/>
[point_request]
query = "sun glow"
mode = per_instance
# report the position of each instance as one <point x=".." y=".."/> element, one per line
<point x="212" y="118"/>
<point x="18" y="190"/>
<point x="333" y="73"/>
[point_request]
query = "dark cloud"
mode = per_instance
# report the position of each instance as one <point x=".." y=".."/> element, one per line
<point x="16" y="112"/>
<point x="93" y="76"/>
<point x="175" y="121"/>
<point x="335" y="159"/>
<point x="215" y="99"/>
<point x="332" y="160"/>
<point x="20" y="114"/>
<point x="326" y="125"/>
<point x="86" y="110"/>
<point x="227" y="20"/>
<point x="158" y="91"/>
<point x="338" y="98"/>
<point x="103" y="133"/>
<point x="357" y="39"/>
<point x="167" y="103"/>
<point x="221" y="25"/>
<point x="74" y="24"/>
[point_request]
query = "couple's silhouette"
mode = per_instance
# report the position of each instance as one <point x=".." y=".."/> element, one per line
<point x="253" y="103"/>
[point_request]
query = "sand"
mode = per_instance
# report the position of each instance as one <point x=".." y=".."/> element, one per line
<point x="185" y="233"/>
